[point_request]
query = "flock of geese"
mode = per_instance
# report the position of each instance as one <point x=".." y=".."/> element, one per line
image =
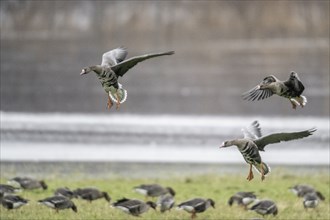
<point x="62" y="198"/>
<point x="114" y="64"/>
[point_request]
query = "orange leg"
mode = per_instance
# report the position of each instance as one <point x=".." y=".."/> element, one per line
<point x="109" y="104"/>
<point x="250" y="176"/>
<point x="118" y="101"/>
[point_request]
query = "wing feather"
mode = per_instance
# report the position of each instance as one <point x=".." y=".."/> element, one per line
<point x="257" y="94"/>
<point x="121" y="68"/>
<point x="279" y="137"/>
<point x="114" y="56"/>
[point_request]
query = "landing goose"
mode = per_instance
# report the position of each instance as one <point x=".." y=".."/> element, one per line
<point x="253" y="142"/>
<point x="291" y="89"/>
<point x="112" y="67"/>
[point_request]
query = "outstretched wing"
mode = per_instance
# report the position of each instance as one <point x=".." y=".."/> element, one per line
<point x="114" y="57"/>
<point x="253" y="131"/>
<point x="257" y="94"/>
<point x="121" y="68"/>
<point x="279" y="137"/>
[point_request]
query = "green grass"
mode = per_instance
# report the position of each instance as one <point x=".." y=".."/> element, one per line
<point x="218" y="187"/>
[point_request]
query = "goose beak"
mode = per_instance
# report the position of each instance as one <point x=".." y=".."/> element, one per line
<point x="222" y="145"/>
<point x="82" y="72"/>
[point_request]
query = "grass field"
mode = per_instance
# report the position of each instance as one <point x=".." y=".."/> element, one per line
<point x="218" y="187"/>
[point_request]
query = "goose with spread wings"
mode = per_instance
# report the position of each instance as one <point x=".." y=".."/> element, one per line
<point x="114" y="66"/>
<point x="291" y="89"/>
<point x="253" y="142"/>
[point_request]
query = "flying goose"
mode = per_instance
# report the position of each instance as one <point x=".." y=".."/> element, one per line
<point x="12" y="201"/>
<point x="291" y="89"/>
<point x="253" y="142"/>
<point x="8" y="189"/>
<point x="64" y="191"/>
<point x="112" y="67"/>
<point x="91" y="194"/>
<point x="265" y="207"/>
<point x="166" y="202"/>
<point x="153" y="190"/>
<point x="133" y="206"/>
<point x="196" y="205"/>
<point x="242" y="199"/>
<point x="58" y="203"/>
<point x="28" y="183"/>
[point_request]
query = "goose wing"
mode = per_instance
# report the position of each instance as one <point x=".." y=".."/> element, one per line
<point x="279" y="137"/>
<point x="257" y="94"/>
<point x="114" y="57"/>
<point x="253" y="131"/>
<point x="121" y="68"/>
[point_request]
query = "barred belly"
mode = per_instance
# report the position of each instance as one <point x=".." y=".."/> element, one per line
<point x="250" y="153"/>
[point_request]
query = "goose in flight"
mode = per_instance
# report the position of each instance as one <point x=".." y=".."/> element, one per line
<point x="112" y="67"/>
<point x="253" y="142"/>
<point x="291" y="89"/>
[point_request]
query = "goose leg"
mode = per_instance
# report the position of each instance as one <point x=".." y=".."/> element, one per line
<point x="118" y="101"/>
<point x="262" y="174"/>
<point x="193" y="215"/>
<point x="109" y="104"/>
<point x="293" y="103"/>
<point x="250" y="176"/>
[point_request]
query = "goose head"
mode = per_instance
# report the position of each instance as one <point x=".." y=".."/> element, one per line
<point x="74" y="208"/>
<point x="43" y="184"/>
<point x="211" y="202"/>
<point x="106" y="196"/>
<point x="85" y="70"/>
<point x="226" y="144"/>
<point x="170" y="191"/>
<point x="152" y="204"/>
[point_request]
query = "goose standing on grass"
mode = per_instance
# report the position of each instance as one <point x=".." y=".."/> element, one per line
<point x="133" y="206"/>
<point x="265" y="207"/>
<point x="166" y="202"/>
<point x="28" y="183"/>
<point x="196" y="205"/>
<point x="302" y="189"/>
<point x="64" y="191"/>
<point x="153" y="190"/>
<point x="58" y="203"/>
<point x="112" y="67"/>
<point x="8" y="189"/>
<point x="311" y="200"/>
<point x="91" y="194"/>
<point x="291" y="89"/>
<point x="253" y="142"/>
<point x="12" y="201"/>
<point x="242" y="199"/>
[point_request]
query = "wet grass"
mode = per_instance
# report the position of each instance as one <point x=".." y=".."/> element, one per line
<point x="218" y="187"/>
